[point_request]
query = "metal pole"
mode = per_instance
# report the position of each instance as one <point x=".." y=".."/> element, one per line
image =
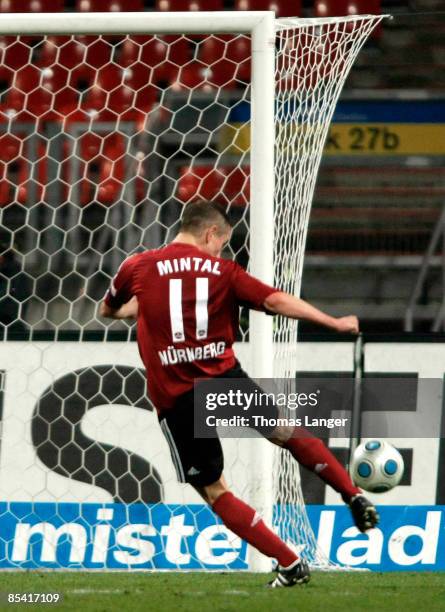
<point x="356" y="416"/>
<point x="409" y="315"/>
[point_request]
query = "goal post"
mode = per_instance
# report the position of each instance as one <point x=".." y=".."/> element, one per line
<point x="87" y="178"/>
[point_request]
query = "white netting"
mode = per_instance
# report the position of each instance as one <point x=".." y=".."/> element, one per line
<point x="313" y="61"/>
<point x="103" y="141"/>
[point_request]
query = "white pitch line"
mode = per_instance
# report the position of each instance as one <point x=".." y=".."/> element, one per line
<point x="88" y="591"/>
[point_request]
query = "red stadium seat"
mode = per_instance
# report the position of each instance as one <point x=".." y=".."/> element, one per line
<point x="72" y="53"/>
<point x="95" y="6"/>
<point x="339" y="8"/>
<point x="122" y="99"/>
<point x="31" y="6"/>
<point x="6" y="78"/>
<point x="54" y="77"/>
<point x="228" y="57"/>
<point x="110" y="187"/>
<point x="136" y="76"/>
<point x="212" y="49"/>
<point x="231" y="184"/>
<point x="82" y="77"/>
<point x="10" y="147"/>
<point x="164" y="56"/>
<point x="95" y="99"/>
<point x="40" y="102"/>
<point x="14" y="101"/>
<point x="145" y="98"/>
<point x="129" y="51"/>
<point x="172" y="5"/>
<point x="238" y="51"/>
<point x="236" y="190"/>
<point x="16" y="54"/>
<point x="109" y="77"/>
<point x="194" y="75"/>
<point x="27" y="78"/>
<point x="199" y="182"/>
<point x="205" y="5"/>
<point x="282" y="8"/>
<point x="98" y="51"/>
<point x="95" y="52"/>
<point x="48" y="51"/>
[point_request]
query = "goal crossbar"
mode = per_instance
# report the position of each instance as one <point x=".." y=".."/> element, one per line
<point x="204" y="22"/>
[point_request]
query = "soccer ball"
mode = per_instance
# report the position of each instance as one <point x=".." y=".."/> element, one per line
<point x="376" y="466"/>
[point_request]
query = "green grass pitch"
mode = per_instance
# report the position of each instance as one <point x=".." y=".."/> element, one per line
<point x="202" y="592"/>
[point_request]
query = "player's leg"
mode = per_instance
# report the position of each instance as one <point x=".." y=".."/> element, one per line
<point x="200" y="462"/>
<point x="245" y="522"/>
<point x="313" y="454"/>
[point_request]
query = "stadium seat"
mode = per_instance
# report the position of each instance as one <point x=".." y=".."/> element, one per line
<point x="98" y="51"/>
<point x="172" y="5"/>
<point x="122" y="99"/>
<point x="47" y="51"/>
<point x="199" y="182"/>
<point x="212" y="49"/>
<point x="6" y="79"/>
<point x="27" y="78"/>
<point x="31" y="6"/>
<point x="88" y="6"/>
<point x="72" y="52"/>
<point x="88" y="146"/>
<point x="144" y="100"/>
<point x="194" y="75"/>
<point x="165" y="56"/>
<point x="127" y="53"/>
<point x="40" y="102"/>
<point x="282" y="8"/>
<point x="110" y="185"/>
<point x="238" y="51"/>
<point x="10" y="146"/>
<point x="236" y="189"/>
<point x="339" y="8"/>
<point x="94" y="99"/>
<point x="82" y="77"/>
<point x="16" y="54"/>
<point x="205" y="5"/>
<point x="14" y="101"/>
<point x="214" y="53"/>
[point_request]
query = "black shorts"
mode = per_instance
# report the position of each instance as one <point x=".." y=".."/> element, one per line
<point x="198" y="461"/>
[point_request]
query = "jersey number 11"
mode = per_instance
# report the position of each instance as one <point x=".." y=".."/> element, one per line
<point x="201" y="310"/>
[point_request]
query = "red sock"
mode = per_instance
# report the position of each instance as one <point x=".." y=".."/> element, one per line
<point x="248" y="525"/>
<point x="315" y="455"/>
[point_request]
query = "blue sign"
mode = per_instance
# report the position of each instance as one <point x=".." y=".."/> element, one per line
<point x="160" y="536"/>
<point x="408" y="538"/>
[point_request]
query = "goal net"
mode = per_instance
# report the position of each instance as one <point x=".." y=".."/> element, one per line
<point x="103" y="140"/>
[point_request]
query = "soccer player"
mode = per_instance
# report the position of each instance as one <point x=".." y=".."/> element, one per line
<point x="186" y="300"/>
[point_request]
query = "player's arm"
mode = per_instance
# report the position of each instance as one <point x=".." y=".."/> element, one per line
<point x="126" y="311"/>
<point x="119" y="301"/>
<point x="290" y="306"/>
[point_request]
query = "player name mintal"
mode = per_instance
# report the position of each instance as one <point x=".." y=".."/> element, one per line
<point x="188" y="264"/>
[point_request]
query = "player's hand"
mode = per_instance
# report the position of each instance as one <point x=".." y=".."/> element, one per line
<point x="130" y="309"/>
<point x="347" y="325"/>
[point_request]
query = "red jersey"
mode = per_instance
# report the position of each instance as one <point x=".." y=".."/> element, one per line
<point x="188" y="314"/>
